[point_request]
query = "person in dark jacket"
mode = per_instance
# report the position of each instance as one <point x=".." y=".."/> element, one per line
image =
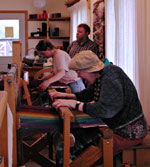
<point x="110" y="96"/>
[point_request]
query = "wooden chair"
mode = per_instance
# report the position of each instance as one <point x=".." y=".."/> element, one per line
<point x="138" y="155"/>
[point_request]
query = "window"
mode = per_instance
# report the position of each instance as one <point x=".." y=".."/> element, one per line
<point x="9" y="31"/>
<point x="13" y="27"/>
<point x="79" y="14"/>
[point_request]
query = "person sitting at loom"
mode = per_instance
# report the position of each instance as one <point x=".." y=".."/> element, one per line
<point x="61" y="73"/>
<point x="111" y="97"/>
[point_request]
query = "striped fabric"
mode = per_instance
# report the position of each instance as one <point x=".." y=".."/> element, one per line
<point x="36" y="119"/>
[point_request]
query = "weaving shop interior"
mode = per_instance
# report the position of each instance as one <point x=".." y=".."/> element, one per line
<point x="74" y="83"/>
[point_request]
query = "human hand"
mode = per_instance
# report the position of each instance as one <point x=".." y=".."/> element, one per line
<point x="44" y="85"/>
<point x="92" y="102"/>
<point x="62" y="102"/>
<point x="56" y="94"/>
<point x="39" y="79"/>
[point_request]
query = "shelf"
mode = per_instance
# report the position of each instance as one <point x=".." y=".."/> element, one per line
<point x="54" y="22"/>
<point x="52" y="19"/>
<point x="51" y="37"/>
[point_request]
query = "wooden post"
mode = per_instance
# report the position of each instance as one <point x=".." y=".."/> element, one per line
<point x="107" y="141"/>
<point x="9" y="87"/>
<point x="12" y="90"/>
<point x="3" y="127"/>
<point x="108" y="152"/>
<point x="17" y="58"/>
<point x="89" y="4"/>
<point x="67" y="115"/>
<point x="47" y="36"/>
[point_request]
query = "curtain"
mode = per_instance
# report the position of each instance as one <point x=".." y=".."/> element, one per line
<point x="127" y="42"/>
<point x="143" y="51"/>
<point x="120" y="34"/>
<point x="79" y="13"/>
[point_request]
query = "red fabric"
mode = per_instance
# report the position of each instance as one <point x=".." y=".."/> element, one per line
<point x="121" y="143"/>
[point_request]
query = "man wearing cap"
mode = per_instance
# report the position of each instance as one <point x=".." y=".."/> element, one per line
<point x="110" y="96"/>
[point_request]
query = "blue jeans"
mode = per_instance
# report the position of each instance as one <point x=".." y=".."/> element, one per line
<point x="77" y="86"/>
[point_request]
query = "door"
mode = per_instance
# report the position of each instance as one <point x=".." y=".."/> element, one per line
<point x="12" y="28"/>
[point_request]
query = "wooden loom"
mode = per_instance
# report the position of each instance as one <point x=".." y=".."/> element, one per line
<point x="92" y="153"/>
<point x="88" y="157"/>
<point x="11" y="85"/>
<point x="68" y="117"/>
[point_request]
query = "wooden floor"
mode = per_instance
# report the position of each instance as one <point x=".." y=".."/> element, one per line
<point x="33" y="164"/>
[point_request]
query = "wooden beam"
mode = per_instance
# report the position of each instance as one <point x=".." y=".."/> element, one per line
<point x="3" y="127"/>
<point x="70" y="3"/>
<point x="9" y="85"/>
<point x="89" y="4"/>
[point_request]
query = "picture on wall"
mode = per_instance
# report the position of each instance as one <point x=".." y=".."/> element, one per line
<point x="99" y="25"/>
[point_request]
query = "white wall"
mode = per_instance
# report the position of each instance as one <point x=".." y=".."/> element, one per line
<point x="52" y="6"/>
